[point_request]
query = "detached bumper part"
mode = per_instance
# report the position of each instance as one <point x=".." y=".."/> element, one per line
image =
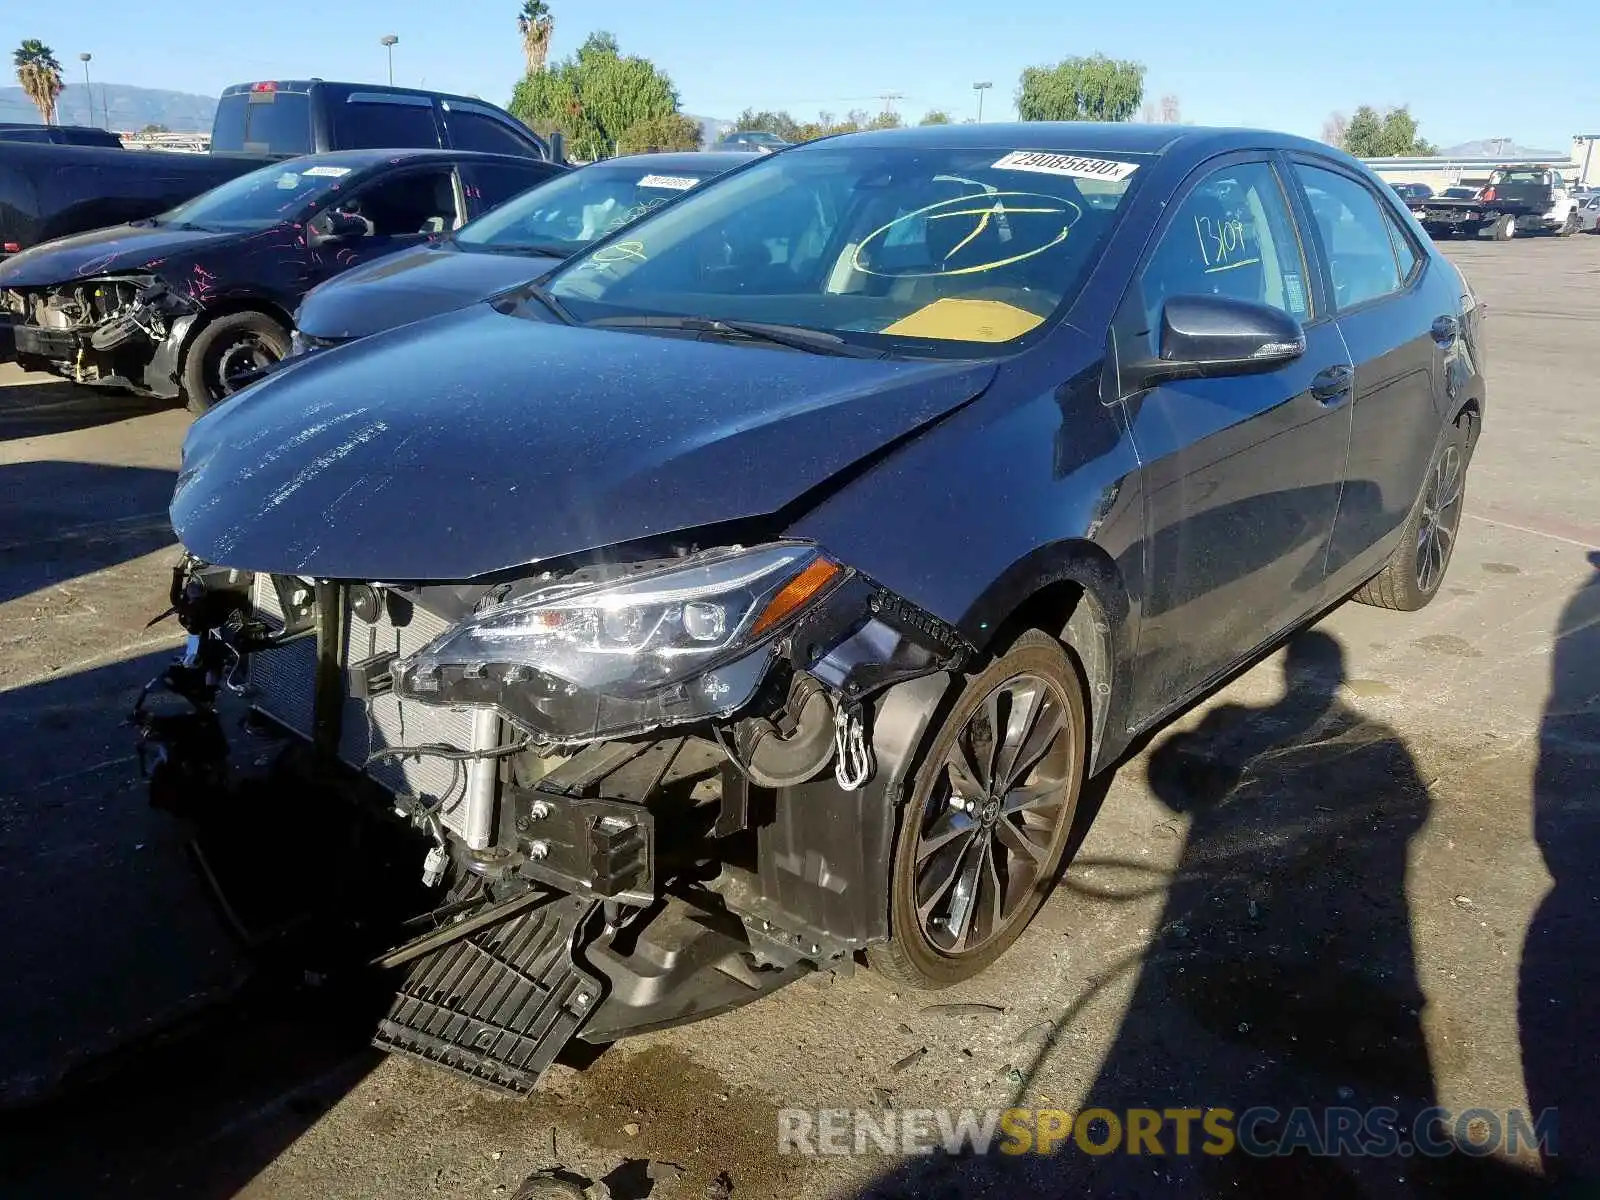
<point x="500" y="1004"/>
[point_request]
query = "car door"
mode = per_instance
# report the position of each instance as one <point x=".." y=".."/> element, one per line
<point x="1395" y="313"/>
<point x="400" y="208"/>
<point x="1241" y="473"/>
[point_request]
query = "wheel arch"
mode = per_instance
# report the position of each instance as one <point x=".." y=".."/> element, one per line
<point x="1074" y="590"/>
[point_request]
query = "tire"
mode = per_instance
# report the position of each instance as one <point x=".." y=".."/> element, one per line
<point x="1404" y="584"/>
<point x="224" y="350"/>
<point x="1570" y="226"/>
<point x="1505" y="228"/>
<point x="1008" y="875"/>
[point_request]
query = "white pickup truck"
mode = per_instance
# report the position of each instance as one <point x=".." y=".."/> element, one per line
<point x="1524" y="198"/>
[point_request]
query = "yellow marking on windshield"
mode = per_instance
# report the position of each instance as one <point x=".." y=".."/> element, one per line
<point x="992" y="206"/>
<point x="1243" y="262"/>
<point x="956" y="320"/>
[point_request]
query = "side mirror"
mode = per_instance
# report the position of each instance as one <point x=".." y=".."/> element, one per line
<point x="1205" y="336"/>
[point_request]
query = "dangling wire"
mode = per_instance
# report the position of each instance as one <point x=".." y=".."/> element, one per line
<point x="852" y="763"/>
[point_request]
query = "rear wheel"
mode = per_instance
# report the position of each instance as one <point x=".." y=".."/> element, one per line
<point x="226" y="355"/>
<point x="1411" y="577"/>
<point x="987" y="822"/>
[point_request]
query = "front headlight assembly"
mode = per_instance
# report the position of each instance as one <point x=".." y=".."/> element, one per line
<point x="661" y="647"/>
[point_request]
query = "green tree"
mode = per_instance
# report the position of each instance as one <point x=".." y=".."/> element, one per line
<point x="536" y="26"/>
<point x="1095" y="88"/>
<point x="595" y="97"/>
<point x="885" y="120"/>
<point x="149" y="129"/>
<point x="671" y="132"/>
<point x="1391" y="133"/>
<point x="40" y="76"/>
<point x="780" y="123"/>
<point x="935" y="116"/>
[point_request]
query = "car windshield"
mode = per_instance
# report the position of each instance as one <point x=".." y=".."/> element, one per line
<point x="566" y="214"/>
<point x="906" y="250"/>
<point x="262" y="198"/>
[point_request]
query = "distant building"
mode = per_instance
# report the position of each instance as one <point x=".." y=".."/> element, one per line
<point x="1469" y="164"/>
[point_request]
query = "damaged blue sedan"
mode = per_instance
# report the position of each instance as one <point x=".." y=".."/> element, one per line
<point x="756" y="593"/>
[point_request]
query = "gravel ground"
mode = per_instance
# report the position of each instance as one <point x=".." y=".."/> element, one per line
<point x="1361" y="874"/>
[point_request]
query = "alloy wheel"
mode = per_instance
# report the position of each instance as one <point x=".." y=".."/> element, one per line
<point x="991" y="825"/>
<point x="1441" y="516"/>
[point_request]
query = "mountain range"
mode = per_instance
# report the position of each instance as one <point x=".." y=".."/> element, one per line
<point x="130" y="108"/>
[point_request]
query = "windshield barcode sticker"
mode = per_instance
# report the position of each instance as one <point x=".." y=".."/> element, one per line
<point x="1074" y="165"/>
<point x="329" y="172"/>
<point x="676" y="183"/>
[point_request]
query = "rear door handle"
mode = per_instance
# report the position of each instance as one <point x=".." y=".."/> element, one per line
<point x="1445" y="330"/>
<point x="1332" y="386"/>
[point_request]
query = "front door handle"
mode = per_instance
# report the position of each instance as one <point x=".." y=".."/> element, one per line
<point x="1445" y="330"/>
<point x="1332" y="386"/>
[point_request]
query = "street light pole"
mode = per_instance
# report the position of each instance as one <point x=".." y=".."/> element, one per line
<point x="88" y="92"/>
<point x="981" y="88"/>
<point x="387" y="41"/>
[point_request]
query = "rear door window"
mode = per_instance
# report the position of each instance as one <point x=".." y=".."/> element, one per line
<point x="471" y="130"/>
<point x="492" y="184"/>
<point x="1354" y="236"/>
<point x="374" y="121"/>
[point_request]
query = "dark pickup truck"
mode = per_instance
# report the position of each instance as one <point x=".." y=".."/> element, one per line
<point x="59" y="135"/>
<point x="50" y="191"/>
<point x="1524" y="198"/>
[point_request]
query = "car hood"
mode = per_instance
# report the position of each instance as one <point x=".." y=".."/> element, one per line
<point x="480" y="441"/>
<point x="104" y="252"/>
<point x="409" y="286"/>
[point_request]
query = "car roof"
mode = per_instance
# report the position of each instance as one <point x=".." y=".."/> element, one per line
<point x="685" y="160"/>
<point x="360" y="160"/>
<point x="1084" y="137"/>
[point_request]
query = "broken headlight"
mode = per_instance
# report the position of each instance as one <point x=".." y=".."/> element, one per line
<point x="659" y="647"/>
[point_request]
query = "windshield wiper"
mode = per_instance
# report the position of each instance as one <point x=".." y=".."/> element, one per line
<point x="538" y="292"/>
<point x="795" y="337"/>
<point x="545" y="249"/>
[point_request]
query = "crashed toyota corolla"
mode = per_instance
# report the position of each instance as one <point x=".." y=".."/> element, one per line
<point x="758" y="592"/>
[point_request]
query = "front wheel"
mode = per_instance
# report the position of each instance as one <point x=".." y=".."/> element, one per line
<point x="1569" y="226"/>
<point x="987" y="823"/>
<point x="227" y="354"/>
<point x="1416" y="568"/>
<point x="1505" y="228"/>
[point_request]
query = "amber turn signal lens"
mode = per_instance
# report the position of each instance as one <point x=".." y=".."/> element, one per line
<point x="793" y="595"/>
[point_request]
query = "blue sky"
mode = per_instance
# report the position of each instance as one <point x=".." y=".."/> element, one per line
<point x="1247" y="62"/>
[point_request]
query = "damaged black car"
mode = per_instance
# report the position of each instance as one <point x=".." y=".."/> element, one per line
<point x="756" y="594"/>
<point x="196" y="303"/>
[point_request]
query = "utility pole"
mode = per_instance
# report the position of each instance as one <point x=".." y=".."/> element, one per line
<point x="88" y="92"/>
<point x="981" y="88"/>
<point x="889" y="98"/>
<point x="387" y="41"/>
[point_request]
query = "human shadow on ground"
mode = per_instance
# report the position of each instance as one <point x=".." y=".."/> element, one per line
<point x="1281" y="976"/>
<point x="1558" y="1003"/>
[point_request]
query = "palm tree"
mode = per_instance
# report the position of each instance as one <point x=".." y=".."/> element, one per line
<point x="535" y="24"/>
<point x="40" y="76"/>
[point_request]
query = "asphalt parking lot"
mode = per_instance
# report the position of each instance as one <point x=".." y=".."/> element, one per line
<point x="1422" y="786"/>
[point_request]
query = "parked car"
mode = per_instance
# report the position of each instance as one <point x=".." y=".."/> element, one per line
<point x="758" y="141"/>
<point x="1589" y="214"/>
<point x="312" y="116"/>
<point x="1410" y="192"/>
<point x="49" y="191"/>
<point x="762" y="586"/>
<point x="194" y="303"/>
<point x="58" y="135"/>
<point x="518" y="241"/>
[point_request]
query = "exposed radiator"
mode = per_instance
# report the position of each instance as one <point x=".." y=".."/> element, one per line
<point x="283" y="683"/>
